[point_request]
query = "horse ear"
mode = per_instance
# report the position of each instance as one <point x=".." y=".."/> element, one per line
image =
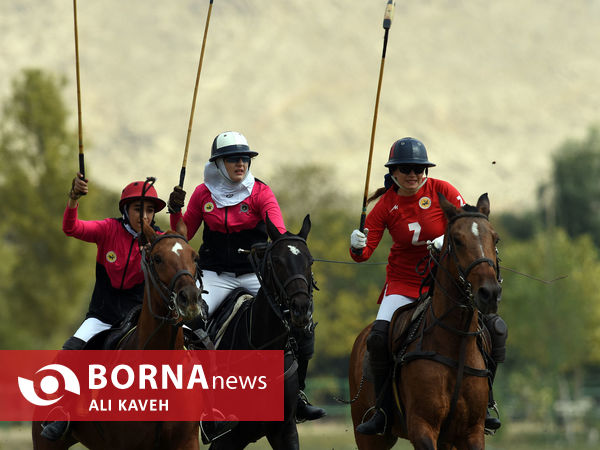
<point x="305" y="227"/>
<point x="272" y="230"/>
<point x="449" y="209"/>
<point x="149" y="233"/>
<point x="483" y="204"/>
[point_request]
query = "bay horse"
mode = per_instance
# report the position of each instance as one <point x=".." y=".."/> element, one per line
<point x="440" y="379"/>
<point x="284" y="301"/>
<point x="172" y="295"/>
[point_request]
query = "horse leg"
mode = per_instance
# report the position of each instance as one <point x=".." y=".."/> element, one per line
<point x="422" y="435"/>
<point x="475" y="440"/>
<point x="284" y="436"/>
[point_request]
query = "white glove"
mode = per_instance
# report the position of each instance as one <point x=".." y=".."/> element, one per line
<point x="437" y="243"/>
<point x="358" y="240"/>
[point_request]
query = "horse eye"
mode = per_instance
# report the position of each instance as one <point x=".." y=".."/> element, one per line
<point x="157" y="259"/>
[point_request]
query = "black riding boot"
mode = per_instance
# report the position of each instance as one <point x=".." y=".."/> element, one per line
<point x="305" y="341"/>
<point x="304" y="410"/>
<point x="58" y="429"/>
<point x="379" y="361"/>
<point x="498" y="332"/>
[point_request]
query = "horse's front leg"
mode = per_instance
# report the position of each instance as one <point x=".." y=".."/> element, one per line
<point x="475" y="440"/>
<point x="422" y="435"/>
<point x="284" y="436"/>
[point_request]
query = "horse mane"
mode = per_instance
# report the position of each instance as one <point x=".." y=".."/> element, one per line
<point x="469" y="208"/>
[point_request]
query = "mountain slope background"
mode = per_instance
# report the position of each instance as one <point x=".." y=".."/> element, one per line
<point x="491" y="88"/>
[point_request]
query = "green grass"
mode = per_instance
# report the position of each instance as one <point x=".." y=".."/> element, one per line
<point x="337" y="434"/>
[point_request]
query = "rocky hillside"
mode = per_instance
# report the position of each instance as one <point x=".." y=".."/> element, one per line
<point x="478" y="81"/>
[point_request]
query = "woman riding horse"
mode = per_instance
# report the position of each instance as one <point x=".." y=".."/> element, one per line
<point x="172" y="296"/>
<point x="409" y="208"/>
<point x="233" y="206"/>
<point x="119" y="278"/>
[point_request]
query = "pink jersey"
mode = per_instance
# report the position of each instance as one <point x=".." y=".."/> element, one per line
<point x="411" y="221"/>
<point x="230" y="228"/>
<point x="119" y="277"/>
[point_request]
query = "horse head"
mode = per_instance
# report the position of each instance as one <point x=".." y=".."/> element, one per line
<point x="170" y="267"/>
<point x="470" y="242"/>
<point x="287" y="271"/>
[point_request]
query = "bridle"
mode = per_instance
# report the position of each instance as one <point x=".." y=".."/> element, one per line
<point x="276" y="292"/>
<point x="166" y="292"/>
<point x="462" y="282"/>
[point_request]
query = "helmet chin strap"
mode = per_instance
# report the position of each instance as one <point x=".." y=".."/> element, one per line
<point x="410" y="191"/>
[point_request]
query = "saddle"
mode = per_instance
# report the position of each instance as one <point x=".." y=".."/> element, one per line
<point x="238" y="300"/>
<point x="109" y="339"/>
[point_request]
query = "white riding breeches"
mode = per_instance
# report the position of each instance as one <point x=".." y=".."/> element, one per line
<point x="89" y="328"/>
<point x="220" y="285"/>
<point x="389" y="305"/>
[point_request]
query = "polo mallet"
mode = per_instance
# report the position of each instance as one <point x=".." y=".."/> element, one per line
<point x="387" y="23"/>
<point x="189" y="131"/>
<point x="79" y="126"/>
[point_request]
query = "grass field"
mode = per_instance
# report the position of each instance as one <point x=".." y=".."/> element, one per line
<point x="338" y="435"/>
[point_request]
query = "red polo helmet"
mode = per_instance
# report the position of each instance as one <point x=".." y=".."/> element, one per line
<point x="133" y="191"/>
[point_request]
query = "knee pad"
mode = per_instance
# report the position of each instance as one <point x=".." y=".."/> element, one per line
<point x="377" y="342"/>
<point x="73" y="343"/>
<point x="498" y="333"/>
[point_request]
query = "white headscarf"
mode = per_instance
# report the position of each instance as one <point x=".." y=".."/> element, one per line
<point x="224" y="191"/>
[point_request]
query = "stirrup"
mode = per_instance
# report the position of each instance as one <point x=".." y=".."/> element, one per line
<point x="492" y="424"/>
<point x="56" y="429"/>
<point x="310" y="412"/>
<point x="369" y="427"/>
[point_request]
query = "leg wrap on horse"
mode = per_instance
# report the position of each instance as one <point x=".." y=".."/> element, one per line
<point x="498" y="333"/>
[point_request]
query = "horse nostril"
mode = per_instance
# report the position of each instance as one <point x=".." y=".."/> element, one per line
<point x="183" y="298"/>
<point x="484" y="294"/>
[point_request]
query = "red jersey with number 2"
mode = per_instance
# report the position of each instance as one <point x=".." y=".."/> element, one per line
<point x="411" y="221"/>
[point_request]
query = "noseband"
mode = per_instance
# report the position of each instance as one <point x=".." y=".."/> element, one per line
<point x="167" y="293"/>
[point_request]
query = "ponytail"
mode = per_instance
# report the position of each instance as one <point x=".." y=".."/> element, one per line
<point x="387" y="183"/>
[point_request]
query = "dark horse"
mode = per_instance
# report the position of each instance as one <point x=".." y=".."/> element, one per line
<point x="283" y="301"/>
<point x="171" y="297"/>
<point x="440" y="379"/>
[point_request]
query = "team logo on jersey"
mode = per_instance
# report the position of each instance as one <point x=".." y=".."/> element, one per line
<point x="424" y="202"/>
<point x="209" y="206"/>
<point x="111" y="256"/>
<point x="244" y="208"/>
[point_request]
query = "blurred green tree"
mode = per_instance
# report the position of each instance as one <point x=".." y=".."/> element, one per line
<point x="553" y="328"/>
<point x="575" y="175"/>
<point x="46" y="278"/>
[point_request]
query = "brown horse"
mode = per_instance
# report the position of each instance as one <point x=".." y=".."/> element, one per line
<point x="171" y="297"/>
<point x="440" y="379"/>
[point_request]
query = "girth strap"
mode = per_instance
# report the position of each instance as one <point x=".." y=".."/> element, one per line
<point x="433" y="356"/>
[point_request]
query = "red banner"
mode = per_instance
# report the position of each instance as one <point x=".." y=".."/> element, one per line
<point x="124" y="385"/>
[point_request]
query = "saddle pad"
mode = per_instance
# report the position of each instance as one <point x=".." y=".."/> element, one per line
<point x="238" y="304"/>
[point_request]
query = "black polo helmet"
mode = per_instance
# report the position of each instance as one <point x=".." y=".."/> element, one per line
<point x="408" y="151"/>
<point x="230" y="143"/>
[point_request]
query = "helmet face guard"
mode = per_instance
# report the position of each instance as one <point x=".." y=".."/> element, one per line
<point x="133" y="192"/>
<point x="408" y="151"/>
<point x="230" y="143"/>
